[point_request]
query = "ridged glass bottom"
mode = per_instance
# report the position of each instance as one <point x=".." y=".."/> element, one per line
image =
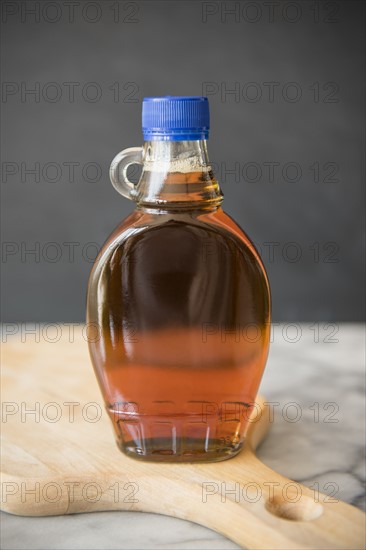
<point x="157" y="452"/>
<point x="183" y="438"/>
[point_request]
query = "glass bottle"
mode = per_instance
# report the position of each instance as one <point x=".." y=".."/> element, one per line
<point x="178" y="308"/>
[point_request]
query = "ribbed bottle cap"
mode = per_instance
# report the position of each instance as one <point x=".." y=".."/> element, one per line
<point x="175" y="118"/>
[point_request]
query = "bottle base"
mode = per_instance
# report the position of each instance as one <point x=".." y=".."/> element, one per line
<point x="199" y="451"/>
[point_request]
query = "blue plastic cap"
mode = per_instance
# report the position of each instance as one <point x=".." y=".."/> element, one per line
<point x="175" y="118"/>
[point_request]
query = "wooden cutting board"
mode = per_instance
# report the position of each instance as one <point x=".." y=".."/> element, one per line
<point x="59" y="457"/>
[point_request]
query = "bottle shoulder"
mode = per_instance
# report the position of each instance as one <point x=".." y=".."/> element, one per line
<point x="198" y="222"/>
<point x="211" y="230"/>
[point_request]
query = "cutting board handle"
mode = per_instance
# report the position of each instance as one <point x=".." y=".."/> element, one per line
<point x="267" y="510"/>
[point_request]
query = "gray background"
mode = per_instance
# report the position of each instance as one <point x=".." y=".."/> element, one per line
<point x="176" y="48"/>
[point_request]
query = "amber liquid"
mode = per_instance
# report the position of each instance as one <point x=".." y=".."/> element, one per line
<point x="179" y="332"/>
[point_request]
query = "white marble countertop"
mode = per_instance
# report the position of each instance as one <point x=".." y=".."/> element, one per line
<point x="315" y="372"/>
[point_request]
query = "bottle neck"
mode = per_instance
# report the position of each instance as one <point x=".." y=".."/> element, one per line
<point x="177" y="175"/>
